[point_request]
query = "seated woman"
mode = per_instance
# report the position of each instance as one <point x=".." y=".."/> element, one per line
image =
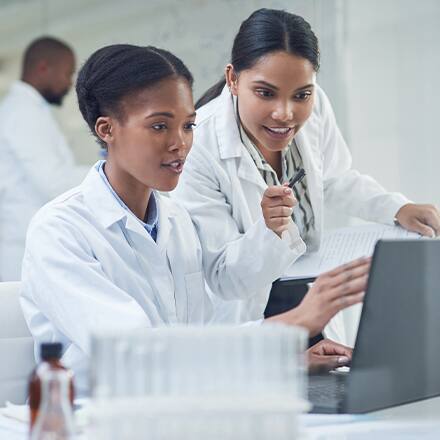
<point x="114" y="253"/>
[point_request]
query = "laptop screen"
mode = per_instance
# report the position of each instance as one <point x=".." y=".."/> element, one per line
<point x="397" y="352"/>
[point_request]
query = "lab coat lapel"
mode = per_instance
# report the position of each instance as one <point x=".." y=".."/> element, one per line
<point x="308" y="146"/>
<point x="152" y="257"/>
<point x="231" y="147"/>
<point x="108" y="212"/>
<point x="166" y="215"/>
<point x="172" y="246"/>
<point x="133" y="225"/>
<point x="99" y="199"/>
<point x="249" y="172"/>
<point x="139" y="235"/>
<point x="167" y="248"/>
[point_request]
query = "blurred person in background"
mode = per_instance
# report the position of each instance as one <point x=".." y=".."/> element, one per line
<point x="36" y="162"/>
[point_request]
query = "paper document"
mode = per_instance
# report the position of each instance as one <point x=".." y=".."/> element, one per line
<point x="343" y="245"/>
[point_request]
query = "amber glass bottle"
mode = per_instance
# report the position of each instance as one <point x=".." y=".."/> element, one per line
<point x="50" y="354"/>
<point x="55" y="419"/>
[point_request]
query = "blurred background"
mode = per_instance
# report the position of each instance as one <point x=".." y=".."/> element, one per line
<point x="379" y="66"/>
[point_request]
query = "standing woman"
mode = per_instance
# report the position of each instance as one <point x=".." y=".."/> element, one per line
<point x="255" y="128"/>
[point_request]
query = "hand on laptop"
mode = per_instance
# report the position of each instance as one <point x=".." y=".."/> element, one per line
<point x="424" y="219"/>
<point x="327" y="355"/>
<point x="331" y="293"/>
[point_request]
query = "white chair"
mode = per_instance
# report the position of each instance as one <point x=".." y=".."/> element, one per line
<point x="16" y="346"/>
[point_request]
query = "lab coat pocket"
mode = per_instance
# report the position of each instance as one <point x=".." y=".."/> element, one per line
<point x="195" y="294"/>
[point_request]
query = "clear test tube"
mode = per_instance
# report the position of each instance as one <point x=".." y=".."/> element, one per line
<point x="102" y="377"/>
<point x="137" y="365"/>
<point x="229" y="363"/>
<point x="121" y="379"/>
<point x="157" y="366"/>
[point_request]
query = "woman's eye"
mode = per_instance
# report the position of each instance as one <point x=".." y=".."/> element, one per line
<point x="190" y="126"/>
<point x="159" y="126"/>
<point x="303" y="96"/>
<point x="264" y="93"/>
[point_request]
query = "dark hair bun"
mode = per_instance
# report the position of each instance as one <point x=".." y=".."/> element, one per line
<point x="116" y="71"/>
<point x="263" y="32"/>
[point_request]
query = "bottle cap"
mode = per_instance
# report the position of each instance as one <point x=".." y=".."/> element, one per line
<point x="51" y="350"/>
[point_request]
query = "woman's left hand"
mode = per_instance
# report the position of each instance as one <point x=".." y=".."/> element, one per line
<point x="327" y="355"/>
<point x="424" y="219"/>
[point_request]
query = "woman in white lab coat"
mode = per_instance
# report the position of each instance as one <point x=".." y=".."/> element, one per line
<point x="255" y="128"/>
<point x="114" y="253"/>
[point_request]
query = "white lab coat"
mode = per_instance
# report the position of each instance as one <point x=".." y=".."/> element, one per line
<point x="90" y="265"/>
<point x="222" y="189"/>
<point x="36" y="165"/>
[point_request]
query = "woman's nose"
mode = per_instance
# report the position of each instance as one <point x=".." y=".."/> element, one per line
<point x="283" y="112"/>
<point x="179" y="143"/>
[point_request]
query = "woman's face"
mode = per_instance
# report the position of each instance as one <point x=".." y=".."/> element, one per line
<point x="149" y="143"/>
<point x="275" y="98"/>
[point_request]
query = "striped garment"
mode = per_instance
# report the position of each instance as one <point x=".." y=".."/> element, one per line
<point x="291" y="161"/>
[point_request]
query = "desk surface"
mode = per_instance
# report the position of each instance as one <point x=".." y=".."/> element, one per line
<point x="419" y="420"/>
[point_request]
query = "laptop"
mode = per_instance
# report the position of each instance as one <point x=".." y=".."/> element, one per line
<point x="396" y="358"/>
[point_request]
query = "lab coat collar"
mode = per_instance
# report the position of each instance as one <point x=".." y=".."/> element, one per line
<point x="230" y="143"/>
<point x="23" y="88"/>
<point x="228" y="134"/>
<point x="108" y="211"/>
<point x="100" y="200"/>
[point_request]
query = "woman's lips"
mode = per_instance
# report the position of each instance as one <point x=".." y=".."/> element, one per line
<point x="176" y="166"/>
<point x="279" y="132"/>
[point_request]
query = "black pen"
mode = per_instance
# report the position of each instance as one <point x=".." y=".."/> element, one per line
<point x="300" y="174"/>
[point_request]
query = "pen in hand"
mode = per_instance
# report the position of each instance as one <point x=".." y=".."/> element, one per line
<point x="300" y="174"/>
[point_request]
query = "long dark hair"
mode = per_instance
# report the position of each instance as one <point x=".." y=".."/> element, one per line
<point x="263" y="32"/>
<point x="114" y="72"/>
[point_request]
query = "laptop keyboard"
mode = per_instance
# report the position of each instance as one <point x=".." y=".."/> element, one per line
<point x="327" y="391"/>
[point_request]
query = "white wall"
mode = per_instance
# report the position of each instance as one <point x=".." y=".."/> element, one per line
<point x="379" y="65"/>
<point x="200" y="32"/>
<point x="393" y="60"/>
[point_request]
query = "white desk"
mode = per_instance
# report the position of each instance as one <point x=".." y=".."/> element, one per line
<point x="420" y="420"/>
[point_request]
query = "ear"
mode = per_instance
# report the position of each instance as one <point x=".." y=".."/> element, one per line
<point x="231" y="79"/>
<point x="103" y="128"/>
